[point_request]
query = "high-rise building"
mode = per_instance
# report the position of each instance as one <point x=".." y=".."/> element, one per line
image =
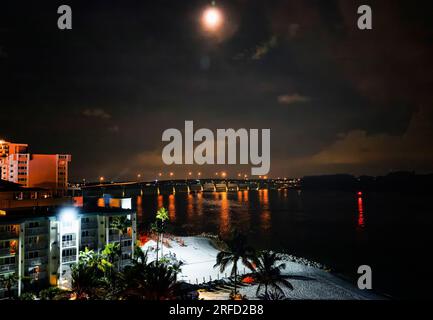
<point x="48" y="171"/>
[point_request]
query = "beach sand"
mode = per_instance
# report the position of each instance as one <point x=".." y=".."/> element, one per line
<point x="199" y="255"/>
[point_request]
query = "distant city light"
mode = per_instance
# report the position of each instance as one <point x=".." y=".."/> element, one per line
<point x="101" y="179"/>
<point x="212" y="19"/>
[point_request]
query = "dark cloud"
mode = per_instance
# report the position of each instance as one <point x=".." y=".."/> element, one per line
<point x="96" y="113"/>
<point x="288" y="99"/>
<point x="139" y="68"/>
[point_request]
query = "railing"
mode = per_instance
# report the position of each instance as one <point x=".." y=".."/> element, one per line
<point x="89" y="225"/>
<point x="66" y="259"/>
<point x="9" y="235"/>
<point x="8" y="267"/>
<point x="69" y="243"/>
<point x="31" y="262"/>
<point x="7" y="252"/>
<point x="127" y="249"/>
<point x="91" y="238"/>
<point x="36" y="246"/>
<point x="35" y="231"/>
<point x="115" y="237"/>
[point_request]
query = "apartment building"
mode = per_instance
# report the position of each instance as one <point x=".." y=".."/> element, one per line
<point x="48" y="171"/>
<point x="43" y="249"/>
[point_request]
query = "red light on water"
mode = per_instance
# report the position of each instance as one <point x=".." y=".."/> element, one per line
<point x="361" y="220"/>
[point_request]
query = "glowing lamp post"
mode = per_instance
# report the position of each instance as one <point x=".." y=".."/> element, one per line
<point x="212" y="19"/>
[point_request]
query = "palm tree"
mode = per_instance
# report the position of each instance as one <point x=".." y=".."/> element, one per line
<point x="160" y="282"/>
<point x="267" y="273"/>
<point x="159" y="227"/>
<point x="107" y="260"/>
<point x="88" y="276"/>
<point x="8" y="282"/>
<point x="237" y="249"/>
<point x="121" y="224"/>
<point x="153" y="281"/>
<point x="111" y="251"/>
<point x="84" y="281"/>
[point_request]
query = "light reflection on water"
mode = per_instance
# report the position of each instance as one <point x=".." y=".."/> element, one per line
<point x="340" y="229"/>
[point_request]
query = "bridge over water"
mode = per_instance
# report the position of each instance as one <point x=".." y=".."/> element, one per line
<point x="131" y="189"/>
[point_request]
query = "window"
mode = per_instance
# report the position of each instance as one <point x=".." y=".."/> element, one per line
<point x="67" y="237"/>
<point x="4" y="244"/>
<point x="33" y="255"/>
<point x="34" y="224"/>
<point x="69" y="252"/>
<point x="8" y="260"/>
<point x="32" y="240"/>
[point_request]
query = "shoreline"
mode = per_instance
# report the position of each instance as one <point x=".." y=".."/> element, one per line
<point x="311" y="280"/>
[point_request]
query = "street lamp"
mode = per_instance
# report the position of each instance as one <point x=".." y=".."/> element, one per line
<point x="212" y="19"/>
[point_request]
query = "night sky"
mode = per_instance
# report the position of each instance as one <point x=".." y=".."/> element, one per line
<point x="337" y="99"/>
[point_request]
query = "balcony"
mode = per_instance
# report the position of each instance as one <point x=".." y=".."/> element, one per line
<point x="116" y="237"/>
<point x="69" y="243"/>
<point x="68" y="259"/>
<point x="7" y="252"/>
<point x="9" y="234"/>
<point x="33" y="262"/>
<point x="89" y="238"/>
<point x="36" y="231"/>
<point x="8" y="268"/>
<point x="89" y="225"/>
<point x="37" y="246"/>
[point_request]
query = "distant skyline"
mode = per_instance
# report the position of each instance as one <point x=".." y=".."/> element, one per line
<point x="337" y="99"/>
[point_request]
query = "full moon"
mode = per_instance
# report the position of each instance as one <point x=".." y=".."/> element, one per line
<point x="212" y="19"/>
